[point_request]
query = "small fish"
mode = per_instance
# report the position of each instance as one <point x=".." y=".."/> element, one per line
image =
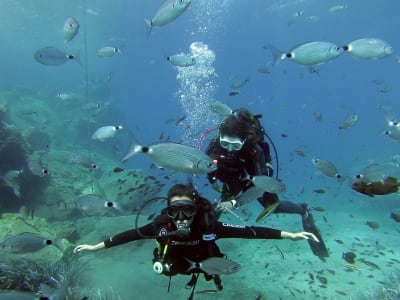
<point x="168" y="12"/>
<point x="237" y="83"/>
<point x="349" y="122"/>
<point x="233" y="93"/>
<point x="71" y="27"/>
<point x="108" y="51"/>
<point x="214" y="266"/>
<point x="37" y="169"/>
<point x="317" y="116"/>
<point x="84" y="161"/>
<point x="106" y="132"/>
<point x="349" y="257"/>
<point x="50" y="56"/>
<point x="28" y="242"/>
<point x="118" y="170"/>
<point x="181" y="60"/>
<point x="322" y="279"/>
<point x="339" y="242"/>
<point x="388" y="186"/>
<point x="176" y="157"/>
<point x="65" y="96"/>
<point x="293" y="18"/>
<point x="368" y="48"/>
<point x="95" y="205"/>
<point x="319" y="191"/>
<point x="326" y="167"/>
<point x="337" y="8"/>
<point x="341" y="293"/>
<point x="370" y="264"/>
<point x="300" y="152"/>
<point x="308" y="54"/>
<point x="373" y="224"/>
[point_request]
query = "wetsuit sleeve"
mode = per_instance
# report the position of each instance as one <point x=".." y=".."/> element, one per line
<point x="225" y="230"/>
<point x="131" y="235"/>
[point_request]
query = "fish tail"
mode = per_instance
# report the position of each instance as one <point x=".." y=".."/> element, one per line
<point x="276" y="53"/>
<point x="149" y="27"/>
<point x="135" y="148"/>
<point x="77" y="58"/>
<point x="58" y="243"/>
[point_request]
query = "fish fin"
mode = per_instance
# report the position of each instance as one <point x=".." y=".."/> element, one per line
<point x="267" y="211"/>
<point x="77" y="58"/>
<point x="277" y="54"/>
<point x="135" y="148"/>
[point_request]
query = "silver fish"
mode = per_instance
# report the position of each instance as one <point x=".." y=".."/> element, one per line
<point x="268" y="184"/>
<point x="215" y="266"/>
<point x="249" y="195"/>
<point x="84" y="161"/>
<point x="394" y="134"/>
<point x="221" y="109"/>
<point x="95" y="205"/>
<point x="326" y="167"/>
<point x="181" y="60"/>
<point x="373" y="173"/>
<point x="369" y="48"/>
<point x="71" y="27"/>
<point x="349" y="122"/>
<point x="174" y="156"/>
<point x="312" y="53"/>
<point x="50" y="56"/>
<point x="108" y="51"/>
<point x="28" y="242"/>
<point x="168" y="12"/>
<point x="37" y="169"/>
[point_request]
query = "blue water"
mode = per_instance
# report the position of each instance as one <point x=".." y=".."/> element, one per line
<point x="145" y="90"/>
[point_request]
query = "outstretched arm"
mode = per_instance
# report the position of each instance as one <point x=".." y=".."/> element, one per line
<point x="98" y="246"/>
<point x="299" y="236"/>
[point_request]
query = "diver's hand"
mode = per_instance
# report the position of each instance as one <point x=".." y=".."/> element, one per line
<point x="79" y="248"/>
<point x="299" y="236"/>
<point x="226" y="206"/>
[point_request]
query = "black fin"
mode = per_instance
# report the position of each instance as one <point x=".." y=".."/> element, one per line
<point x="319" y="249"/>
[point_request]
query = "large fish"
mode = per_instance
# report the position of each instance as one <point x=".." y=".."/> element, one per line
<point x="309" y="54"/>
<point x="28" y="242"/>
<point x="215" y="266"/>
<point x="174" y="156"/>
<point x="71" y="27"/>
<point x="168" y="11"/>
<point x="50" y="56"/>
<point x="369" y="48"/>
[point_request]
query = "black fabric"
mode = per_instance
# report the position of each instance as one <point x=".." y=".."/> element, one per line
<point x="193" y="247"/>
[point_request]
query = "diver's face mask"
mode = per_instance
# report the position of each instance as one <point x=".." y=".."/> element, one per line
<point x="182" y="213"/>
<point x="231" y="143"/>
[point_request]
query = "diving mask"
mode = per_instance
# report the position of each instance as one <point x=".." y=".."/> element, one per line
<point x="231" y="143"/>
<point x="182" y="209"/>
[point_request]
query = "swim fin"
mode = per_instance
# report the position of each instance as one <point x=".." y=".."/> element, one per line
<point x="319" y="249"/>
<point x="267" y="211"/>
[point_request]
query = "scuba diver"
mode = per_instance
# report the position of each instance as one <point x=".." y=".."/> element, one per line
<point x="241" y="152"/>
<point x="186" y="231"/>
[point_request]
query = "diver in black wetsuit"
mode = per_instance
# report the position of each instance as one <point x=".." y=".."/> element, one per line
<point x="241" y="152"/>
<point x="186" y="232"/>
